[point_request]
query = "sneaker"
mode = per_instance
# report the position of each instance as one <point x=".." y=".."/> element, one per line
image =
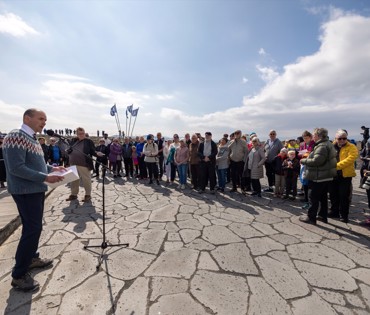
<point x="345" y="220"/>
<point x="292" y="198"/>
<point x="233" y="190"/>
<point x="182" y="186"/>
<point x="200" y="191"/>
<point x="268" y="189"/>
<point x="179" y="186"/>
<point x="285" y="197"/>
<point x="71" y="197"/>
<point x="305" y="206"/>
<point x="25" y="283"/>
<point x="212" y="191"/>
<point x="86" y="198"/>
<point x="307" y="219"/>
<point x="40" y="263"/>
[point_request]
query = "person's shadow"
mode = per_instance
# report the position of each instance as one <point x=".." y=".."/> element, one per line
<point x="19" y="302"/>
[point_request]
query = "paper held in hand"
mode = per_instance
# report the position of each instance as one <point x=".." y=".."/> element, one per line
<point x="69" y="176"/>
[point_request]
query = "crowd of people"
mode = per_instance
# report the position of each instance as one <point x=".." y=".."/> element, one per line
<point x="323" y="170"/>
<point x="310" y="165"/>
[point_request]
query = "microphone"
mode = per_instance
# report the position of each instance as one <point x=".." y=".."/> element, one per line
<point x="51" y="133"/>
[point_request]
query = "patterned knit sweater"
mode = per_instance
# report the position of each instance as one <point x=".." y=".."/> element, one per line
<point x="25" y="165"/>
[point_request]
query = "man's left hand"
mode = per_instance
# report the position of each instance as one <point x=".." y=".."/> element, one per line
<point x="59" y="169"/>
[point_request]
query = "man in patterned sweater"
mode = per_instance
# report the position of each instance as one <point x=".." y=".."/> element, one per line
<point x="27" y="173"/>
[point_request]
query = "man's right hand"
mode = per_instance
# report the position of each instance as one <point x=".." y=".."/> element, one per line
<point x="53" y="178"/>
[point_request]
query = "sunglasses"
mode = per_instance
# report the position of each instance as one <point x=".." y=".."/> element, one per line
<point x="272" y="134"/>
<point x="342" y="138"/>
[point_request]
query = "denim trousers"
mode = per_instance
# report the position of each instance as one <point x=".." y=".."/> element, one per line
<point x="182" y="168"/>
<point x="31" y="210"/>
<point x="221" y="175"/>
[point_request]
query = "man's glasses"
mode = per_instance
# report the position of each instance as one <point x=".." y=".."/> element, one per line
<point x="342" y="138"/>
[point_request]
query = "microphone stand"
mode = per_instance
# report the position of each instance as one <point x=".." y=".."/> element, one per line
<point x="105" y="244"/>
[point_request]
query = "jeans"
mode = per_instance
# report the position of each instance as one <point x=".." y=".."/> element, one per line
<point x="182" y="168"/>
<point x="31" y="210"/>
<point x="221" y="175"/>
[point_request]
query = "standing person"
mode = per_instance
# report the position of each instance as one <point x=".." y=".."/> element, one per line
<point x="150" y="157"/>
<point x="365" y="158"/>
<point x="320" y="169"/>
<point x="54" y="153"/>
<point x="80" y="154"/>
<point x="115" y="157"/>
<point x="222" y="163"/>
<point x="272" y="149"/>
<point x="181" y="159"/>
<point x="291" y="169"/>
<point x="365" y="135"/>
<point x="160" y="144"/>
<point x="255" y="161"/>
<point x="175" y="144"/>
<point x="167" y="163"/>
<point x="237" y="151"/>
<point x="45" y="148"/>
<point x="103" y="159"/>
<point x="2" y="165"/>
<point x="27" y="173"/>
<point x="127" y="158"/>
<point x="341" y="187"/>
<point x="135" y="160"/>
<point x="141" y="156"/>
<point x="194" y="161"/>
<point x="207" y="152"/>
<point x="277" y="164"/>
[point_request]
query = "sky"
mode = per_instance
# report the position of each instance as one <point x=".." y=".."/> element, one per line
<point x="188" y="65"/>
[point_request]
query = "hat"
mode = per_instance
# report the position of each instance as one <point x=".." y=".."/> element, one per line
<point x="149" y="137"/>
<point x="252" y="133"/>
<point x="208" y="133"/>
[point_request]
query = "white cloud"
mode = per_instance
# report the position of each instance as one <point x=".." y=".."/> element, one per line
<point x="267" y="74"/>
<point x="63" y="76"/>
<point x="262" y="52"/>
<point x="164" y="97"/>
<point x="14" y="25"/>
<point x="245" y="80"/>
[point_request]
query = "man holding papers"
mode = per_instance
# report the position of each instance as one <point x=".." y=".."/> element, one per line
<point x="27" y="174"/>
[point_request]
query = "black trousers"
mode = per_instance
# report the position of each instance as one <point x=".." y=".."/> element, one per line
<point x="173" y="171"/>
<point x="270" y="174"/>
<point x="368" y="197"/>
<point x="256" y="185"/>
<point x="152" y="169"/>
<point x="195" y="175"/>
<point x="340" y="192"/>
<point x="31" y="210"/>
<point x="129" y="166"/>
<point x="207" y="173"/>
<point x="318" y="197"/>
<point x="99" y="163"/>
<point x="142" y="167"/>
<point x="236" y="169"/>
<point x="291" y="186"/>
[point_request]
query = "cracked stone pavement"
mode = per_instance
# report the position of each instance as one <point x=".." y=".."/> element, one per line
<point x="192" y="254"/>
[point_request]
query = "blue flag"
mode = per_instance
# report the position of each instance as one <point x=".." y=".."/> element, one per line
<point x="129" y="108"/>
<point x="134" y="112"/>
<point x="113" y="110"/>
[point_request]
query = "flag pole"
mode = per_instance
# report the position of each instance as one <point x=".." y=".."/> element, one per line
<point x="118" y="125"/>
<point x="136" y="113"/>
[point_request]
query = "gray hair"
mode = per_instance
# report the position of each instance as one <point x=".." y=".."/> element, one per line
<point x="256" y="139"/>
<point x="341" y="132"/>
<point x="321" y="132"/>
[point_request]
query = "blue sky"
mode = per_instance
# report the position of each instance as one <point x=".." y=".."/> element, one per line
<point x="190" y="66"/>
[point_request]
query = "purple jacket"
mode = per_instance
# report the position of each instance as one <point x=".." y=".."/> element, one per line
<point x="115" y="150"/>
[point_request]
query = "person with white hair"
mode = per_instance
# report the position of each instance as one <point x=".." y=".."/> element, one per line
<point x="320" y="170"/>
<point x="272" y="147"/>
<point x="255" y="161"/>
<point x="341" y="187"/>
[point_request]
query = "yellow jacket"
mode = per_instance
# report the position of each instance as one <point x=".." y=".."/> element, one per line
<point x="347" y="157"/>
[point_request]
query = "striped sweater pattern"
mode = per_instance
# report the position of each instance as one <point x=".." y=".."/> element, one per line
<point x="25" y="165"/>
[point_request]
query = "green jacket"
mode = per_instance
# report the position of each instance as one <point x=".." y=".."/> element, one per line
<point x="321" y="164"/>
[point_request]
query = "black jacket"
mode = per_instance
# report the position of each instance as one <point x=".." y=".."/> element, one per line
<point x="212" y="157"/>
